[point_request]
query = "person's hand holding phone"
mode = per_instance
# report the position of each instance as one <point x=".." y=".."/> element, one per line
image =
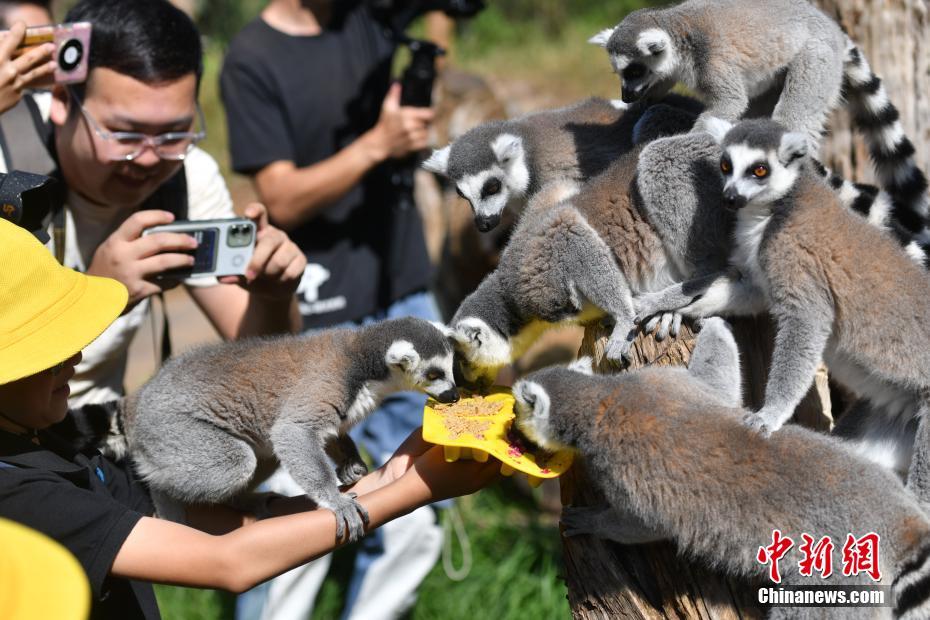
<point x="32" y="68"/>
<point x="135" y="260"/>
<point x="277" y="263"/>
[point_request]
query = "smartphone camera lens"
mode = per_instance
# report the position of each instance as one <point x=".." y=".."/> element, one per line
<point x="239" y="235"/>
<point x="70" y="54"/>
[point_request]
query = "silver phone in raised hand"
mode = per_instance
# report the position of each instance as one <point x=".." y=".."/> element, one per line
<point x="224" y="247"/>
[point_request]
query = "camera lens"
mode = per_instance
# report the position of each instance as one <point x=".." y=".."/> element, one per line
<point x="70" y="54"/>
<point x="239" y="235"/>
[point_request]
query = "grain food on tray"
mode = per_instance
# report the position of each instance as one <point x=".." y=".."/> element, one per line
<point x="459" y="418"/>
<point x="460" y="426"/>
<point x="473" y="406"/>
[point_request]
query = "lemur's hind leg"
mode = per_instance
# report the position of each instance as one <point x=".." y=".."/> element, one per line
<point x="715" y="361"/>
<point x="593" y="273"/>
<point x="192" y="461"/>
<point x="302" y="451"/>
<point x="349" y="464"/>
<point x="918" y="476"/>
<point x="812" y="89"/>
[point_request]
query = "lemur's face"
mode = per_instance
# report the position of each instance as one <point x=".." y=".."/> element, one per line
<point x="644" y="58"/>
<point x="484" y="350"/>
<point x="431" y="375"/>
<point x="490" y="190"/>
<point x="760" y="163"/>
<point x="531" y="414"/>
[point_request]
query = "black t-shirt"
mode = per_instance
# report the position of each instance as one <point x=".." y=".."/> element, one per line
<point x="84" y="502"/>
<point x="303" y="99"/>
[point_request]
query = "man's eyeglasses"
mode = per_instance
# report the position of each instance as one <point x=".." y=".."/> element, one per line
<point x="127" y="145"/>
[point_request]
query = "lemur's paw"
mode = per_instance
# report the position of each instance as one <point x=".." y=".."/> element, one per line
<point x="349" y="514"/>
<point x="619" y="348"/>
<point x="585" y="520"/>
<point x="669" y="325"/>
<point x="761" y="422"/>
<point x="647" y="308"/>
<point x="351" y="472"/>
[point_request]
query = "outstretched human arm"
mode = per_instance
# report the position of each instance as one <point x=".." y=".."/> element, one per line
<point x="166" y="552"/>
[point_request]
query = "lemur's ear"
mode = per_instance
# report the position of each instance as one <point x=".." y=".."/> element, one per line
<point x="444" y="329"/>
<point x="507" y="147"/>
<point x="402" y="355"/>
<point x="717" y="128"/>
<point x="602" y="37"/>
<point x="652" y="42"/>
<point x="438" y="162"/>
<point x="584" y="365"/>
<point x="793" y="147"/>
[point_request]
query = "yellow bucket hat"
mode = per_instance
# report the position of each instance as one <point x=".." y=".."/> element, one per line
<point x="47" y="312"/>
<point x="39" y="578"/>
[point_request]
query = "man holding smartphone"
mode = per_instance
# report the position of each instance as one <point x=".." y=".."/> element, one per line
<point x="124" y="147"/>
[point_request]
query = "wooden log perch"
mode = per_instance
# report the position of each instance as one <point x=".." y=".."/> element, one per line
<point x="605" y="579"/>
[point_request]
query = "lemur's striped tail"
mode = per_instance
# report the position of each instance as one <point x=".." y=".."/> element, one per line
<point x="910" y="591"/>
<point x="892" y="152"/>
<point x="875" y="205"/>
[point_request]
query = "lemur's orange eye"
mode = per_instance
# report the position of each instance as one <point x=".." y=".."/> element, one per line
<point x="725" y="166"/>
<point x="760" y="172"/>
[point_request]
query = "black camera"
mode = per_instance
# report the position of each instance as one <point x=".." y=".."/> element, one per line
<point x="419" y="76"/>
<point x="26" y="199"/>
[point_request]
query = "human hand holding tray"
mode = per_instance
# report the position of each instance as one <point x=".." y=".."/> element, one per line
<point x="480" y="425"/>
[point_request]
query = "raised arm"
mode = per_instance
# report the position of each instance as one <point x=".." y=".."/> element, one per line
<point x="295" y="195"/>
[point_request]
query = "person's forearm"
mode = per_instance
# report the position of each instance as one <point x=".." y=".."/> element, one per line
<point x="296" y="195"/>
<point x="265" y="316"/>
<point x="261" y="550"/>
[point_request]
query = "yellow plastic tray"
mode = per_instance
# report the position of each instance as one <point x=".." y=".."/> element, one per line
<point x="493" y="442"/>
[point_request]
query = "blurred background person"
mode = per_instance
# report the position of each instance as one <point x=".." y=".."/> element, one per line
<point x="315" y="121"/>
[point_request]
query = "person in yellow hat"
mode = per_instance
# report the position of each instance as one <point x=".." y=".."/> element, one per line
<point x="99" y="511"/>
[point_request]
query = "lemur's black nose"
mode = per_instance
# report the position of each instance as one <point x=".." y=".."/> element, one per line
<point x="487" y="222"/>
<point x="733" y="200"/>
<point x="629" y="95"/>
<point x="449" y="396"/>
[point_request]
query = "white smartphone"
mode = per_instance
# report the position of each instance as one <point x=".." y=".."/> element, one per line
<point x="224" y="247"/>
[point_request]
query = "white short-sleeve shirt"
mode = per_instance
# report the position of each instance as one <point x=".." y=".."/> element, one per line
<point x="99" y="376"/>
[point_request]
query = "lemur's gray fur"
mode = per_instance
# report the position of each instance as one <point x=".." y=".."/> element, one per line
<point x="673" y="460"/>
<point x="730" y="51"/>
<point x="578" y="258"/>
<point x="213" y="422"/>
<point x="573" y="258"/>
<point x="839" y="289"/>
<point x="504" y="163"/>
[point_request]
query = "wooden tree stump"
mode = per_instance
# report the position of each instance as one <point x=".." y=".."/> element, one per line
<point x="651" y="581"/>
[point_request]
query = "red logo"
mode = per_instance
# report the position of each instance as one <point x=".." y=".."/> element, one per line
<point x="773" y="553"/>
<point x="860" y="555"/>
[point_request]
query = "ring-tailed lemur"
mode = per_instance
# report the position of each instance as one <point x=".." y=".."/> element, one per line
<point x="573" y="258"/>
<point x="729" y="51"/>
<point x="214" y="421"/>
<point x="667" y="449"/>
<point x="505" y="162"/>
<point x="839" y="290"/>
<point x="578" y="254"/>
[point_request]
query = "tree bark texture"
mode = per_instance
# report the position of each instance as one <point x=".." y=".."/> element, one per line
<point x="895" y="38"/>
